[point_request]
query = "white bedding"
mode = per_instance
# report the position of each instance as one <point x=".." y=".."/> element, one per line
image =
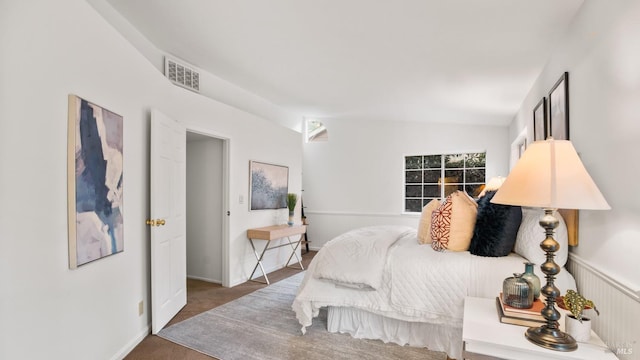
<point x="344" y="257"/>
<point x="417" y="284"/>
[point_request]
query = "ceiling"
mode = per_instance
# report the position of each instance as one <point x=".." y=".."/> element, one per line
<point x="464" y="61"/>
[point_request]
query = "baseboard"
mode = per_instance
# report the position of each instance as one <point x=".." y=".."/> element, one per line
<point x="132" y="344"/>
<point x="204" y="279"/>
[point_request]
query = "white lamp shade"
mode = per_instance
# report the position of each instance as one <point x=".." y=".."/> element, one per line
<point x="550" y="175"/>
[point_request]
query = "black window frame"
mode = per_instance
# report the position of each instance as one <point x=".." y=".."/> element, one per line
<point x="460" y="171"/>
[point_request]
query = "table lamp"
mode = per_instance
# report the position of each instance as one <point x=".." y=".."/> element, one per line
<point x="550" y="176"/>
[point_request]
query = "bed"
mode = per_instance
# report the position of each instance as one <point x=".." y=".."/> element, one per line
<point x="384" y="282"/>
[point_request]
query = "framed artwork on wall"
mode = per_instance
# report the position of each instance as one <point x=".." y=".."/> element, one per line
<point x="95" y="182"/>
<point x="540" y="125"/>
<point x="522" y="147"/>
<point x="269" y="185"/>
<point x="559" y="109"/>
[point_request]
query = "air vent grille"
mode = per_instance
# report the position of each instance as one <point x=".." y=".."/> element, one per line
<point x="182" y="75"/>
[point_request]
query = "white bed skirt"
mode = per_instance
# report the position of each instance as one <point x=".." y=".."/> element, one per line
<point x="362" y="324"/>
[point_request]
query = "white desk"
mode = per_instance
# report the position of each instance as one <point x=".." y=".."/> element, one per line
<point x="270" y="233"/>
<point x="485" y="337"/>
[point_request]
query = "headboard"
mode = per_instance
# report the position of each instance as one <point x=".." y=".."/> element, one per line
<point x="570" y="217"/>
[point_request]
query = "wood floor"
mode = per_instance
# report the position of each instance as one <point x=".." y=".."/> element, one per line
<point x="203" y="296"/>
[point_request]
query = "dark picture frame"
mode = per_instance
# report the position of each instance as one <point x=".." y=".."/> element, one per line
<point x="522" y="147"/>
<point x="269" y="185"/>
<point x="559" y="109"/>
<point x="540" y="124"/>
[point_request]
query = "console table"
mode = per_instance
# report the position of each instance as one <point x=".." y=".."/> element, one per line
<point x="275" y="232"/>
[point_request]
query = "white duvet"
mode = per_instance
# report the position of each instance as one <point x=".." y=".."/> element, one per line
<point x="357" y="258"/>
<point x="415" y="283"/>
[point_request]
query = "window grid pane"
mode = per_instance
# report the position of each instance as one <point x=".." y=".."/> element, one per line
<point x="413" y="177"/>
<point x="413" y="191"/>
<point x="432" y="162"/>
<point x="413" y="162"/>
<point x="413" y="205"/>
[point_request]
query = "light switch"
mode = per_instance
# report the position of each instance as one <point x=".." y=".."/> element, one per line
<point x="241" y="199"/>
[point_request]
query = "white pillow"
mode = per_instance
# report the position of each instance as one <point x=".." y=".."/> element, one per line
<point x="531" y="234"/>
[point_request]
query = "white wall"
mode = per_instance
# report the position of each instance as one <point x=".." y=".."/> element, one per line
<point x="49" y="50"/>
<point x="210" y="84"/>
<point x="356" y="178"/>
<point x="602" y="55"/>
<point x="205" y="209"/>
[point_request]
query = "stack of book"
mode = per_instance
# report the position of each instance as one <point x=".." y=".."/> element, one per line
<point x="524" y="317"/>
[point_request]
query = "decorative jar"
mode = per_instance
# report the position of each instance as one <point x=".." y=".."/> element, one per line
<point x="517" y="292"/>
<point x="532" y="278"/>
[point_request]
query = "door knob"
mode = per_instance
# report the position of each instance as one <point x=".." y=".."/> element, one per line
<point x="158" y="222"/>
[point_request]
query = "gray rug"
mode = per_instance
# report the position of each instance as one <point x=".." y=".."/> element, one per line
<point x="261" y="325"/>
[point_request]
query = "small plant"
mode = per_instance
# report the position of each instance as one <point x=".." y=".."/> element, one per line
<point x="292" y="199"/>
<point x="576" y="303"/>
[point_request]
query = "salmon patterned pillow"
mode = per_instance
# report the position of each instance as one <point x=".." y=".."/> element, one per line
<point x="424" y="227"/>
<point x="453" y="222"/>
<point x="441" y="226"/>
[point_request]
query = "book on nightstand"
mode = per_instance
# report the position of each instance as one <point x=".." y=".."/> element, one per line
<point x="513" y="320"/>
<point x="532" y="313"/>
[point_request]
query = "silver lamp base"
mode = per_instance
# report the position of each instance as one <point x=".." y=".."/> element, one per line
<point x="549" y="335"/>
<point x="552" y="339"/>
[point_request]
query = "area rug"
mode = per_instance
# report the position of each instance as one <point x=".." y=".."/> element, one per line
<point x="262" y="326"/>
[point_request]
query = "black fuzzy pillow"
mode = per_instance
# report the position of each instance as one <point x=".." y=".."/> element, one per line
<point x="496" y="228"/>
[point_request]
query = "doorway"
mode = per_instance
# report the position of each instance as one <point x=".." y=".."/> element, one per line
<point x="206" y="207"/>
<point x="168" y="201"/>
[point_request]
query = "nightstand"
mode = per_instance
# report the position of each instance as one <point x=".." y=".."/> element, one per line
<point x="485" y="337"/>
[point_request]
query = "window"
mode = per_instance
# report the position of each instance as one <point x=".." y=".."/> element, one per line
<point x="315" y="131"/>
<point x="428" y="177"/>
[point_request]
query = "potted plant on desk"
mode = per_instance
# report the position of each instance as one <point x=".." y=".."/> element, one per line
<point x="576" y="324"/>
<point x="292" y="199"/>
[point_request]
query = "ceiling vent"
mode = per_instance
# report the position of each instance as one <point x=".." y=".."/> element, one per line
<point x="181" y="74"/>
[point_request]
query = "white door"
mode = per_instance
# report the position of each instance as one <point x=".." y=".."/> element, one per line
<point x="168" y="222"/>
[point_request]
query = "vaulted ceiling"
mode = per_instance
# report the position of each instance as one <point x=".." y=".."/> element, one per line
<point x="466" y="61"/>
